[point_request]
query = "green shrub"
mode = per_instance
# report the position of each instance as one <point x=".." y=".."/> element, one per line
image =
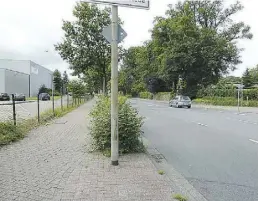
<point x="9" y="133"/>
<point x="129" y="126"/>
<point x="166" y="96"/>
<point x="146" y="95"/>
<point x="225" y="101"/>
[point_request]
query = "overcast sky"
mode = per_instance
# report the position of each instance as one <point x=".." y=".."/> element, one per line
<point x="30" y="27"/>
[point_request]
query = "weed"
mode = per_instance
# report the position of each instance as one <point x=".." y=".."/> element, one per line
<point x="161" y="172"/>
<point x="180" y="197"/>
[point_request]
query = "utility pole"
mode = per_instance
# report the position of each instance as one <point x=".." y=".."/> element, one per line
<point x="114" y="87"/>
<point x="53" y="101"/>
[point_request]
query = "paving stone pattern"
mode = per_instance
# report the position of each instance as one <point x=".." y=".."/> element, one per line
<point x="54" y="163"/>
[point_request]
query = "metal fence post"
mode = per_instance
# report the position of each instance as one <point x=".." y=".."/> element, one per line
<point x="38" y="109"/>
<point x="67" y="100"/>
<point x="14" y="110"/>
<point x="62" y="98"/>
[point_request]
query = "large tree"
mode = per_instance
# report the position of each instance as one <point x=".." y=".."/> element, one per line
<point x="83" y="46"/>
<point x="57" y="80"/>
<point x="247" y="78"/>
<point x="196" y="42"/>
<point x="65" y="82"/>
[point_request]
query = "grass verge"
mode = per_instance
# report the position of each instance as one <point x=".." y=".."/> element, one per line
<point x="36" y="98"/>
<point x="10" y="133"/>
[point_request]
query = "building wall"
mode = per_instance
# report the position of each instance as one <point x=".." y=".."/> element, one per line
<point x="2" y="80"/>
<point x="16" y="82"/>
<point x="39" y="76"/>
<point x="22" y="66"/>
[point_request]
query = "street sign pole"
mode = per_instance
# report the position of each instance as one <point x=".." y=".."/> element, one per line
<point x="114" y="34"/>
<point x="114" y="87"/>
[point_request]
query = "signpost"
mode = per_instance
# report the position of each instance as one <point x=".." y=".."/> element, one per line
<point x="114" y="35"/>
<point x="239" y="87"/>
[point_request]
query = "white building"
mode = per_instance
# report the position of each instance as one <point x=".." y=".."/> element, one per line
<point x="23" y="76"/>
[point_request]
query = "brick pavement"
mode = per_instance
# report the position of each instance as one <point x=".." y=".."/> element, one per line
<point x="55" y="163"/>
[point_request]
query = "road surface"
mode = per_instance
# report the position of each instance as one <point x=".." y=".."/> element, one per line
<point x="215" y="150"/>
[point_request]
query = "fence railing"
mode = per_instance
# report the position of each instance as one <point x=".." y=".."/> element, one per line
<point x="18" y="111"/>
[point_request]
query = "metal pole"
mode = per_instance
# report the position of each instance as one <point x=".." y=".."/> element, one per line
<point x="114" y="88"/>
<point x="14" y="110"/>
<point x="38" y="109"/>
<point x="238" y="100"/>
<point x="53" y="102"/>
<point x="67" y="99"/>
<point x="62" y="97"/>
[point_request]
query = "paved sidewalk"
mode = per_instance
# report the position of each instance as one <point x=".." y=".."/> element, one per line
<point x="54" y="163"/>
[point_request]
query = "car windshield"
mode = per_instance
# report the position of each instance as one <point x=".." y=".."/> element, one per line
<point x="185" y="98"/>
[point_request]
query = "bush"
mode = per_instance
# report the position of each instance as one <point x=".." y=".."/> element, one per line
<point x="9" y="133"/>
<point x="225" y="101"/>
<point x="164" y="96"/>
<point x="146" y="95"/>
<point x="129" y="126"/>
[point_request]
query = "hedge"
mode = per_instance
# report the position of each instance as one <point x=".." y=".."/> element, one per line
<point x="146" y="95"/>
<point x="225" y="101"/>
<point x="252" y="94"/>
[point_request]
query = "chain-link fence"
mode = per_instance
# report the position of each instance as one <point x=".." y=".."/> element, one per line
<point x="18" y="111"/>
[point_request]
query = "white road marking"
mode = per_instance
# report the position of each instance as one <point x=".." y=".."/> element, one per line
<point x="253" y="141"/>
<point x="202" y="124"/>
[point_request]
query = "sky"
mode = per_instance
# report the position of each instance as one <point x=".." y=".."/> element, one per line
<point x="30" y="28"/>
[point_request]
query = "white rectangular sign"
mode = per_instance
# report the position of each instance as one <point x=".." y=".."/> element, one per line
<point x="144" y="4"/>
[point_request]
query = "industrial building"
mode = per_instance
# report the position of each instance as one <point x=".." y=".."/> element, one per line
<point x="23" y="76"/>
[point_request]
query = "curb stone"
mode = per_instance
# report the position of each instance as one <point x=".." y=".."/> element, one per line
<point x="175" y="177"/>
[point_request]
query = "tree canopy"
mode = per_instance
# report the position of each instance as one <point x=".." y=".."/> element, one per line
<point x="196" y="43"/>
<point x="83" y="45"/>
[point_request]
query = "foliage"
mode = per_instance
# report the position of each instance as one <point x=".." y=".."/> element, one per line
<point x="57" y="79"/>
<point x="226" y="101"/>
<point x="43" y="89"/>
<point x="252" y="94"/>
<point x="254" y="74"/>
<point x="196" y="42"/>
<point x="77" y="87"/>
<point x="65" y="80"/>
<point x="129" y="126"/>
<point x="161" y="172"/>
<point x="247" y="79"/>
<point x="9" y="133"/>
<point x="84" y="47"/>
<point x="164" y="96"/>
<point x="146" y="95"/>
<point x="180" y="197"/>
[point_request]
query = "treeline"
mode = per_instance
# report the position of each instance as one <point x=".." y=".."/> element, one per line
<point x="191" y="48"/>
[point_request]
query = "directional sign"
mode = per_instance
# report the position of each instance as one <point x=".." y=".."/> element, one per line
<point x="107" y="33"/>
<point x="143" y="4"/>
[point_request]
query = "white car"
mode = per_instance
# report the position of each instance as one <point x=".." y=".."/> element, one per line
<point x="180" y="101"/>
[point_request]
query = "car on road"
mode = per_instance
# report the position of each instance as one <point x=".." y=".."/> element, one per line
<point x="19" y="97"/>
<point x="44" y="96"/>
<point x="180" y="101"/>
<point x="4" y="97"/>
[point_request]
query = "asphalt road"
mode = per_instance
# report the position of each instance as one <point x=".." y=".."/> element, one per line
<point x="215" y="150"/>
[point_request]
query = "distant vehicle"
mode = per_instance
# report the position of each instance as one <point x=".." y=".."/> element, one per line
<point x="180" y="101"/>
<point x="44" y="96"/>
<point x="19" y="97"/>
<point x="4" y="97"/>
